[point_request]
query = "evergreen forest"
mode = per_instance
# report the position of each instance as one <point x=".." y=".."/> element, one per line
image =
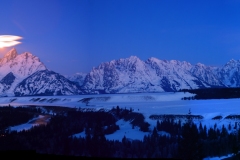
<point x="185" y="140"/>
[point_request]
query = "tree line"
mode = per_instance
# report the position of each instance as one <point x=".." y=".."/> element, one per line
<point x="184" y="140"/>
<point x="10" y="116"/>
<point x="212" y="93"/>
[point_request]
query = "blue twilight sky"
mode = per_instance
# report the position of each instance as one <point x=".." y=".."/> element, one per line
<point x="72" y="36"/>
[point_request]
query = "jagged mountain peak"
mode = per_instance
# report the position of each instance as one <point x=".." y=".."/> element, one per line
<point x="153" y="59"/>
<point x="24" y="74"/>
<point x="134" y="75"/>
<point x="120" y="63"/>
<point x="179" y="63"/>
<point x="129" y="60"/>
<point x="10" y="55"/>
<point x="15" y="68"/>
<point x="21" y="65"/>
<point x="168" y="63"/>
<point x="27" y="55"/>
<point x="200" y="65"/>
<point x="133" y="58"/>
<point x="232" y="62"/>
<point x="13" y="55"/>
<point x="162" y="61"/>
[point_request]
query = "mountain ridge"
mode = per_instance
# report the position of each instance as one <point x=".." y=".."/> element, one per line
<point x="24" y="74"/>
<point x="15" y="69"/>
<point x="155" y="75"/>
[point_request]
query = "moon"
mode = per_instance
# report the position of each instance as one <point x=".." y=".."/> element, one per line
<point x="9" y="40"/>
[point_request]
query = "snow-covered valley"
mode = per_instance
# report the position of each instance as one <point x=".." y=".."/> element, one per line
<point x="166" y="103"/>
<point x="145" y="103"/>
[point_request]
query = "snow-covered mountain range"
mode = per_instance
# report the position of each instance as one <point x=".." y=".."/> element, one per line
<point x="46" y="82"/>
<point x="154" y="75"/>
<point x="24" y="74"/>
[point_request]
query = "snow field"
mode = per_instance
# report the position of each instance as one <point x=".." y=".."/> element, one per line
<point x="145" y="103"/>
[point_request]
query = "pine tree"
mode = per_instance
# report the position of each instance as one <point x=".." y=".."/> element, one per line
<point x="224" y="131"/>
<point x="190" y="146"/>
<point x="203" y="131"/>
<point x="229" y="127"/>
<point x="215" y="126"/>
<point x="200" y="127"/>
<point x="154" y="133"/>
<point x="158" y="125"/>
<point x="118" y="111"/>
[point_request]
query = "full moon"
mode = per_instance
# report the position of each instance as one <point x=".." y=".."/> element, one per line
<point x="9" y="40"/>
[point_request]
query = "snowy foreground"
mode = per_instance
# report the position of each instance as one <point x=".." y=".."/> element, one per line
<point x="145" y="103"/>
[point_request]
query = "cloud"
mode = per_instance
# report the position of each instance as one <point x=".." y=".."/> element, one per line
<point x="9" y="40"/>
